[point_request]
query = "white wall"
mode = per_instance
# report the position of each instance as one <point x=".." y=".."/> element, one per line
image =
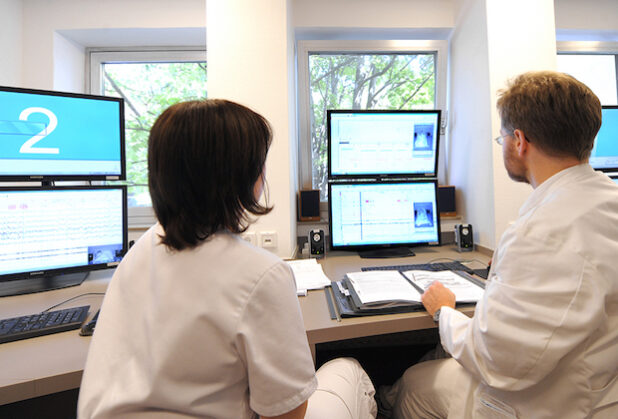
<point x="69" y="64"/>
<point x="600" y="15"/>
<point x="251" y="61"/>
<point x="531" y="45"/>
<point x="470" y="157"/>
<point x="45" y="53"/>
<point x="10" y="42"/>
<point x="391" y="14"/>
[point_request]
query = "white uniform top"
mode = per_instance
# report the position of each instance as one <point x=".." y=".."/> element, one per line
<point x="543" y="342"/>
<point x="214" y="331"/>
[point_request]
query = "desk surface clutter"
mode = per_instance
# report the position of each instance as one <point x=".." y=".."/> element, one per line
<point x="61" y="356"/>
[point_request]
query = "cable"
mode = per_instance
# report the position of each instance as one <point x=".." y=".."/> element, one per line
<point x="72" y="298"/>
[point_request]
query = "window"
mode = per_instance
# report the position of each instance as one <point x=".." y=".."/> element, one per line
<point x="149" y="82"/>
<point x="367" y="75"/>
<point x="595" y="64"/>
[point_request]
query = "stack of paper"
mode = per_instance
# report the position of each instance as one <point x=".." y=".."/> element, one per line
<point x="308" y="274"/>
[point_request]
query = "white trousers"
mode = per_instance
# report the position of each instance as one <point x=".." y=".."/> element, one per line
<point x="344" y="392"/>
<point x="424" y="391"/>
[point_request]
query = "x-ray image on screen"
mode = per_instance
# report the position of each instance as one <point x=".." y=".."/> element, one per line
<point x="423" y="137"/>
<point x="423" y="214"/>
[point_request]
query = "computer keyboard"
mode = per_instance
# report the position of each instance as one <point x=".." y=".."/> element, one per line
<point x="31" y="325"/>
<point x="438" y="266"/>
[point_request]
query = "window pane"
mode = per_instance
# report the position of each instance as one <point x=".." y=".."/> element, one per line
<point x="363" y="81"/>
<point x="148" y="89"/>
<point x="597" y="71"/>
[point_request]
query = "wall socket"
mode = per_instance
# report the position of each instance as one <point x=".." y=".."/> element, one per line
<point x="249" y="236"/>
<point x="268" y="239"/>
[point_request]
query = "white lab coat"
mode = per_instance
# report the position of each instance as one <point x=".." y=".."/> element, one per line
<point x="543" y="342"/>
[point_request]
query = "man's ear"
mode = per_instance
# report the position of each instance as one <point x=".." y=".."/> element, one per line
<point x="521" y="144"/>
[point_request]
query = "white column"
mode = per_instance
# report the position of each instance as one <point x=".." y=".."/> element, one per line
<point x="522" y="37"/>
<point x="250" y="52"/>
<point x="11" y="42"/>
<point x="493" y="40"/>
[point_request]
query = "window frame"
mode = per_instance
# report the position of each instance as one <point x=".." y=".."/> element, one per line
<point x="306" y="47"/>
<point x="590" y="48"/>
<point x="138" y="217"/>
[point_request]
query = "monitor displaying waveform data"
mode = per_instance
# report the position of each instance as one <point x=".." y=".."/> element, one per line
<point x="604" y="155"/>
<point x="49" y="235"/>
<point x="373" y="215"/>
<point x="47" y="135"/>
<point x="382" y="143"/>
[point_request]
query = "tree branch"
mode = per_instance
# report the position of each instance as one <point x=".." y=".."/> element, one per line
<point x="121" y="93"/>
<point x="415" y="91"/>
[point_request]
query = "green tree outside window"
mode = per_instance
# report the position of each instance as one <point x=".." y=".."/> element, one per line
<point x="148" y="89"/>
<point x="363" y="81"/>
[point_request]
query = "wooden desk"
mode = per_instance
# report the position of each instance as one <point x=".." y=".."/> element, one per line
<point x="54" y="363"/>
<point x="321" y="328"/>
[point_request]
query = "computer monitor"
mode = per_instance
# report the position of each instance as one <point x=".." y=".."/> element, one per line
<point x="615" y="179"/>
<point x="47" y="135"/>
<point x="604" y="155"/>
<point x="383" y="143"/>
<point x="52" y="237"/>
<point x="383" y="218"/>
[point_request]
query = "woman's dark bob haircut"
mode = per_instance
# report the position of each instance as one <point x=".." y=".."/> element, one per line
<point x="204" y="158"/>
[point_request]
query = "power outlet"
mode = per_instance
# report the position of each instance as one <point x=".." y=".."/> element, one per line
<point x="249" y="236"/>
<point x="268" y="239"/>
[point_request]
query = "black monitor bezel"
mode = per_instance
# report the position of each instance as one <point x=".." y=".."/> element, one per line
<point x="607" y="169"/>
<point x="381" y="246"/>
<point x="72" y="269"/>
<point x="329" y="112"/>
<point x="68" y="177"/>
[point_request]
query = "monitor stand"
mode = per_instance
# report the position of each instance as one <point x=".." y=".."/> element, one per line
<point x="390" y="252"/>
<point x="43" y="283"/>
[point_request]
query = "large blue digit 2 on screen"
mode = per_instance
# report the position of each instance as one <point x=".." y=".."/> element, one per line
<point x="64" y="136"/>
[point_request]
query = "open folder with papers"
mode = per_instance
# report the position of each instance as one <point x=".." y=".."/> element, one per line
<point x="373" y="292"/>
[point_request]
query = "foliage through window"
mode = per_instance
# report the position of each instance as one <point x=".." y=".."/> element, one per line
<point x="364" y="81"/>
<point x="148" y="89"/>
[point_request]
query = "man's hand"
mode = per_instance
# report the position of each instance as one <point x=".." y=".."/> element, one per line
<point x="436" y="296"/>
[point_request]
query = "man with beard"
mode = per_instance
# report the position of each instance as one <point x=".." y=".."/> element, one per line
<point x="543" y="341"/>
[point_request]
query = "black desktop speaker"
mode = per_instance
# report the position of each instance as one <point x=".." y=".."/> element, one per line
<point x="309" y="205"/>
<point x="463" y="237"/>
<point x="446" y="201"/>
<point x="316" y="243"/>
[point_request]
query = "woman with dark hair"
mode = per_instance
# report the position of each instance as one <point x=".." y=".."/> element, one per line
<point x="197" y="322"/>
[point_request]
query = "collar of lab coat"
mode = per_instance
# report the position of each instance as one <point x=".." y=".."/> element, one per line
<point x="556" y="181"/>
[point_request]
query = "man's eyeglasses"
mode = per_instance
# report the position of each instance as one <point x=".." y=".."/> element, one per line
<point x="500" y="139"/>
